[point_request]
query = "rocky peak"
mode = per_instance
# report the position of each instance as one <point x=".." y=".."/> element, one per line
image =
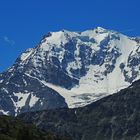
<point x="71" y="67"/>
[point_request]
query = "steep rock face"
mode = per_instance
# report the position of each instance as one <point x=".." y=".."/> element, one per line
<point x="22" y="93"/>
<point x="115" y="117"/>
<point x="70" y="69"/>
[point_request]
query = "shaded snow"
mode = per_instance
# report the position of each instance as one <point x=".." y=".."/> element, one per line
<point x="4" y="112"/>
<point x="22" y="98"/>
<point x="25" y="55"/>
<point x="33" y="100"/>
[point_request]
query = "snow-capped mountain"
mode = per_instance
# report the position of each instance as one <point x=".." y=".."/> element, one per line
<point x="70" y="69"/>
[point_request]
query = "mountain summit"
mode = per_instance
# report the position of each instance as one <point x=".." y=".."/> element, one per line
<point x="70" y="69"/>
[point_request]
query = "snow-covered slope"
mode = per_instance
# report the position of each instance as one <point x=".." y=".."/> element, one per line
<point x="79" y="67"/>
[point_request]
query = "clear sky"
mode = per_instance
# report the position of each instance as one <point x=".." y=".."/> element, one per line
<point x="24" y="22"/>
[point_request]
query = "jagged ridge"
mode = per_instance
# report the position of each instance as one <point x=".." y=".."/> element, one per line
<point x="70" y="69"/>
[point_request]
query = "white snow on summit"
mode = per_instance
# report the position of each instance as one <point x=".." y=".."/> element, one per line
<point x="110" y="61"/>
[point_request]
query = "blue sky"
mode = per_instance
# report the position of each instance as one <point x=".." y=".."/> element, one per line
<point x="24" y="22"/>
